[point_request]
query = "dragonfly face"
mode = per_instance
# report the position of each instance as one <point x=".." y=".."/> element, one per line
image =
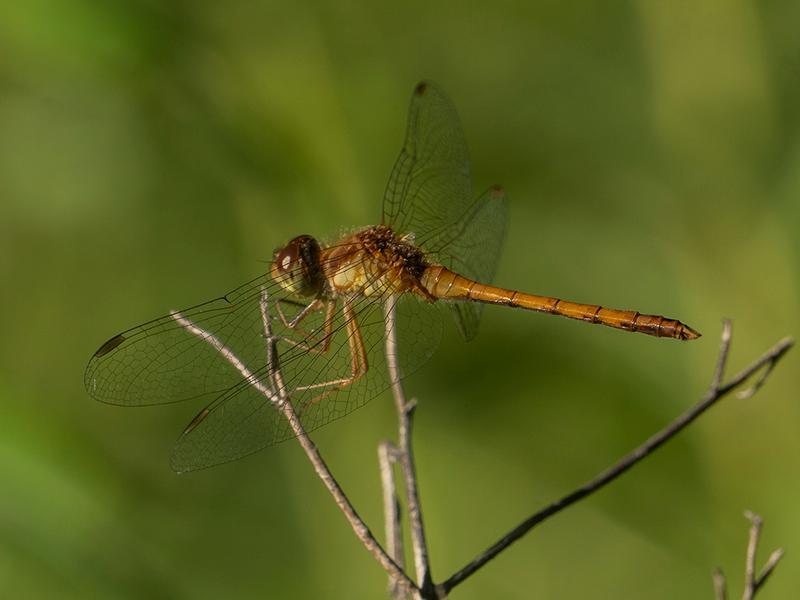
<point x="296" y="267"/>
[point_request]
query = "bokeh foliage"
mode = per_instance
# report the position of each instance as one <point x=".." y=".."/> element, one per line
<point x="152" y="155"/>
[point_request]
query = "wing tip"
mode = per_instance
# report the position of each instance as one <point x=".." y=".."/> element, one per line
<point x="109" y="345"/>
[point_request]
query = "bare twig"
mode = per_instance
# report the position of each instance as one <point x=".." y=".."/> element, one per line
<point x="720" y="587"/>
<point x="400" y="584"/>
<point x="753" y="583"/>
<point x="280" y="400"/>
<point x="769" y="567"/>
<point x="750" y="391"/>
<point x="214" y="341"/>
<point x="716" y="391"/>
<point x="387" y="456"/>
<point x="405" y="413"/>
<point x="750" y="560"/>
<point x="722" y="359"/>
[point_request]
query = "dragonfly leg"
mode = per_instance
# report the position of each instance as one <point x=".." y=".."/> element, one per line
<point x="294" y="322"/>
<point x="358" y="362"/>
<point x="309" y="343"/>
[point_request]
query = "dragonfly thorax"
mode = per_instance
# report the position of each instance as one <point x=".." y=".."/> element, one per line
<point x="296" y="267"/>
<point x="373" y="262"/>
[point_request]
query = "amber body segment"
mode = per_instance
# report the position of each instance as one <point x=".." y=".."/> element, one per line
<point x="447" y="285"/>
<point x="376" y="262"/>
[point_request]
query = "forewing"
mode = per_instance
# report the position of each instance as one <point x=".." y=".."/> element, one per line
<point x="220" y="352"/>
<point x="160" y="362"/>
<point x="429" y="188"/>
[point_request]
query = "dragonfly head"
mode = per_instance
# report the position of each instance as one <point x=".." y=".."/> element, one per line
<point x="296" y="266"/>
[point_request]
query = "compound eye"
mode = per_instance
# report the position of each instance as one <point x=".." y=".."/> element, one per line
<point x="287" y="259"/>
<point x="294" y="265"/>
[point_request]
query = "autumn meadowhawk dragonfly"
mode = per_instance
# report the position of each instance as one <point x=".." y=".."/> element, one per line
<point x="436" y="245"/>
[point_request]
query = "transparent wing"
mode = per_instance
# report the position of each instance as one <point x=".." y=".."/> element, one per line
<point x="159" y="362"/>
<point x="242" y="421"/>
<point x="473" y="250"/>
<point x="429" y="194"/>
<point x="179" y="357"/>
<point x="429" y="188"/>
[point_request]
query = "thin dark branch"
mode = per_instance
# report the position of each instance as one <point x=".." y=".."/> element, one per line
<point x="279" y="398"/>
<point x="715" y="393"/>
<point x="405" y="413"/>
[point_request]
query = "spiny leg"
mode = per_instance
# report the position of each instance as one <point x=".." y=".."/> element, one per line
<point x="294" y="322"/>
<point x="358" y="361"/>
<point x="327" y="326"/>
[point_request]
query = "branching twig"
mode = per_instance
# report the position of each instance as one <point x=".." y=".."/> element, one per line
<point x="769" y="567"/>
<point x="279" y="398"/>
<point x="750" y="559"/>
<point x="752" y="583"/>
<point x="387" y="456"/>
<point x="405" y="413"/>
<point x="400" y="584"/>
<point x="716" y="391"/>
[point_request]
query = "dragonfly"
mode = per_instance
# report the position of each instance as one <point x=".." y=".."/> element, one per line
<point x="437" y="245"/>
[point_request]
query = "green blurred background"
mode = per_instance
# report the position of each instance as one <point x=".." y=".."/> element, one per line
<point x="153" y="154"/>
